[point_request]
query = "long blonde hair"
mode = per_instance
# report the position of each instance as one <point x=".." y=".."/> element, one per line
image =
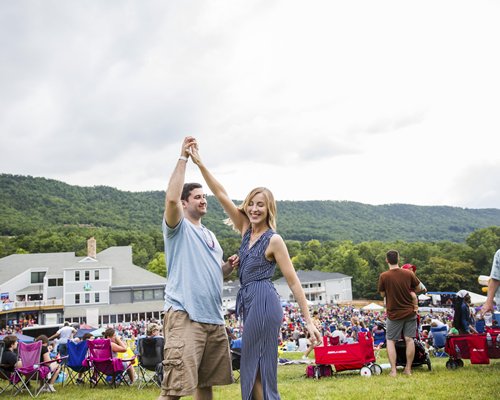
<point x="270" y="204"/>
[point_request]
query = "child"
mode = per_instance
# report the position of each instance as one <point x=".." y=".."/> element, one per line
<point x="420" y="288"/>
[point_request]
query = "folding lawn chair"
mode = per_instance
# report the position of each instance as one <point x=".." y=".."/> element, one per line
<point x="74" y="369"/>
<point x="106" y="368"/>
<point x="32" y="370"/>
<point x="5" y="374"/>
<point x="439" y="341"/>
<point x="150" y="355"/>
<point x="379" y="338"/>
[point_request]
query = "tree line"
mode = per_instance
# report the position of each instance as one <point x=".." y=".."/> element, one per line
<point x="28" y="204"/>
<point x="442" y="266"/>
<point x="450" y="246"/>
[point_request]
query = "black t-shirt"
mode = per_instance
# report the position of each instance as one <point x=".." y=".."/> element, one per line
<point x="44" y="350"/>
<point x="9" y="359"/>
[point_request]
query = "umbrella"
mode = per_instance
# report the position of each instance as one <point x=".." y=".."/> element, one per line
<point x="21" y="338"/>
<point x="80" y="332"/>
<point x="98" y="332"/>
<point x="87" y="326"/>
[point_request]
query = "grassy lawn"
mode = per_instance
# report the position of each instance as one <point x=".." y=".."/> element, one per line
<point x="478" y="382"/>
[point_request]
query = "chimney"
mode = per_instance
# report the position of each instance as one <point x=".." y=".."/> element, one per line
<point x="91" y="248"/>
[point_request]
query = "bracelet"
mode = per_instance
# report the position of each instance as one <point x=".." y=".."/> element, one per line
<point x="183" y="158"/>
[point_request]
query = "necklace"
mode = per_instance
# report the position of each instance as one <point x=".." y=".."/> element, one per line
<point x="207" y="236"/>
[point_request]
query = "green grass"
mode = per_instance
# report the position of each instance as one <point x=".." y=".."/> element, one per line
<point x="477" y="382"/>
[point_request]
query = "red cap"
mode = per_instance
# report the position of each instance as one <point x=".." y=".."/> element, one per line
<point x="409" y="266"/>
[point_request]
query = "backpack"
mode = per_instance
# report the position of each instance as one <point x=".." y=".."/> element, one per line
<point x="318" y="371"/>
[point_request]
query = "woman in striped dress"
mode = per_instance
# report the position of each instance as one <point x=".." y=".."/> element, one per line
<point x="258" y="303"/>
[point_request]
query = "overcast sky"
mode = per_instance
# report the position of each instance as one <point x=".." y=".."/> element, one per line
<point x="370" y="101"/>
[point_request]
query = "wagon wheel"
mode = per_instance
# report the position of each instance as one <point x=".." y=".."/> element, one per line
<point x="451" y="364"/>
<point x="460" y="362"/>
<point x="365" y="371"/>
<point x="375" y="369"/>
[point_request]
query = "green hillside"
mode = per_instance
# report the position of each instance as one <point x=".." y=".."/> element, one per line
<point x="28" y="204"/>
<point x="451" y="246"/>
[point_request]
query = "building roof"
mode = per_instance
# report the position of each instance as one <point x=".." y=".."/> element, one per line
<point x="54" y="263"/>
<point x="119" y="258"/>
<point x="315" y="276"/>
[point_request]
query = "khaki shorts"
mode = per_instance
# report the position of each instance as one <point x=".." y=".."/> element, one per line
<point x="195" y="355"/>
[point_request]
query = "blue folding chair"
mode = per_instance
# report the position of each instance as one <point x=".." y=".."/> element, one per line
<point x="439" y="340"/>
<point x="76" y="372"/>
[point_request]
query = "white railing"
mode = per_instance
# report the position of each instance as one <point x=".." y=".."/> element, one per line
<point x="314" y="290"/>
<point x="31" y="304"/>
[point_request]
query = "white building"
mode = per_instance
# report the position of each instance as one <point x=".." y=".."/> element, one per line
<point x="319" y="287"/>
<point x="55" y="287"/>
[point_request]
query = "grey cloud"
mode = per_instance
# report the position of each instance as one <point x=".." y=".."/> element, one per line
<point x="97" y="66"/>
<point x="479" y="186"/>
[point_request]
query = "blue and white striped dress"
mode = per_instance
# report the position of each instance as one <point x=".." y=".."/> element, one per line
<point x="259" y="306"/>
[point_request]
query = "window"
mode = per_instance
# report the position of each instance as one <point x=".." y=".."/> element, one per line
<point x="148" y="295"/>
<point x="87" y="275"/>
<point x="96" y="297"/>
<point x="77" y="298"/>
<point x="37" y="277"/>
<point x="55" y="282"/>
<point x="96" y="275"/>
<point x="77" y="275"/>
<point x="87" y="298"/>
<point x="138" y="295"/>
<point x="159" y="294"/>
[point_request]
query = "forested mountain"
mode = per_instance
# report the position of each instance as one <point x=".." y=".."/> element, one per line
<point x="28" y="204"/>
<point x="451" y="246"/>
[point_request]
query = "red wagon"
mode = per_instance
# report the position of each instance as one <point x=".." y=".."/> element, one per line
<point x="478" y="348"/>
<point x="353" y="356"/>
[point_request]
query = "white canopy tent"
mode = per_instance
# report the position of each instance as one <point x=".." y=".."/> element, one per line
<point x="476" y="299"/>
<point x="373" y="307"/>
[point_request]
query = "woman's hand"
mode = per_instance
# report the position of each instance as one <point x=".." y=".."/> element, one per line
<point x="234" y="261"/>
<point x="194" y="152"/>
<point x="315" y="336"/>
<point x="187" y="144"/>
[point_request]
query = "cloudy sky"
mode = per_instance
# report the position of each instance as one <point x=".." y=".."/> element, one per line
<point x="370" y="101"/>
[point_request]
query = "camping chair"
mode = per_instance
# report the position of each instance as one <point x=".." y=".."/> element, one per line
<point x="150" y="355"/>
<point x="73" y="368"/>
<point x="439" y="341"/>
<point x="32" y="369"/>
<point x="236" y="362"/>
<point x="108" y="369"/>
<point x="379" y="338"/>
<point x="5" y="375"/>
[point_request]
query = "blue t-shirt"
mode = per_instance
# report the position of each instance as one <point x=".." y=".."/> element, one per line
<point x="194" y="272"/>
<point x="495" y="274"/>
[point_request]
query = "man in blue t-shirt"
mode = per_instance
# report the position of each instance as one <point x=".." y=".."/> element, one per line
<point x="196" y="355"/>
<point x="493" y="285"/>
